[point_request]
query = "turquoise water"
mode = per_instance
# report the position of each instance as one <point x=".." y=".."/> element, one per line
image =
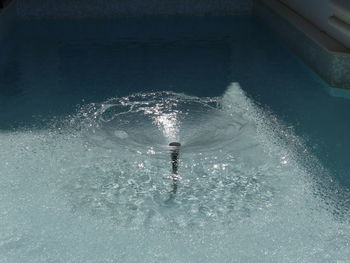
<point x="89" y="107"/>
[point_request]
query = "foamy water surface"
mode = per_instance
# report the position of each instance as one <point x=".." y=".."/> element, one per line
<point x="97" y="186"/>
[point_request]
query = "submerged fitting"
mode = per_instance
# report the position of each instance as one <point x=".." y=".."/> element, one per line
<point x="175" y="152"/>
<point x="176" y="144"/>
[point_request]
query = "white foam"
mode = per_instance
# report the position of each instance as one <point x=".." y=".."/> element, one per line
<point x="121" y="134"/>
<point x="89" y="193"/>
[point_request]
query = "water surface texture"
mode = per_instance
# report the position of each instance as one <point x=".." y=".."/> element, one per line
<point x="86" y="168"/>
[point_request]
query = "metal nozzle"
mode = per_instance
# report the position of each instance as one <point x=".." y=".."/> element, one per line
<point x="176" y="144"/>
<point x="175" y="152"/>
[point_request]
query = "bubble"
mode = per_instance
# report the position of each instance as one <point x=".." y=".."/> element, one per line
<point x="102" y="183"/>
<point x="121" y="134"/>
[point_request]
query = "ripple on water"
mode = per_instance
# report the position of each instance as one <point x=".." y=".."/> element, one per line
<point x="243" y="185"/>
<point x="228" y="171"/>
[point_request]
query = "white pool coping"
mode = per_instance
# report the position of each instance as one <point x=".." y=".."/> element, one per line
<point x="320" y="37"/>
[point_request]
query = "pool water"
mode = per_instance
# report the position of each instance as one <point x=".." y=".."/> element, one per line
<point x="90" y="106"/>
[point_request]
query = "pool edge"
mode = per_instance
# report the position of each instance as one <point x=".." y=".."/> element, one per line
<point x="326" y="56"/>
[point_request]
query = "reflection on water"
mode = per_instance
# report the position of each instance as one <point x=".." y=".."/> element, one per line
<point x="96" y="184"/>
<point x="220" y="156"/>
<point x="104" y="176"/>
<point x="45" y="74"/>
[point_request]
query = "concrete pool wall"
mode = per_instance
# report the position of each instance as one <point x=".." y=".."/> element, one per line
<point x="325" y="55"/>
<point x="319" y="16"/>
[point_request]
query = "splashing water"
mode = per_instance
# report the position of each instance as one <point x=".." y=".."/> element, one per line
<point x="97" y="187"/>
